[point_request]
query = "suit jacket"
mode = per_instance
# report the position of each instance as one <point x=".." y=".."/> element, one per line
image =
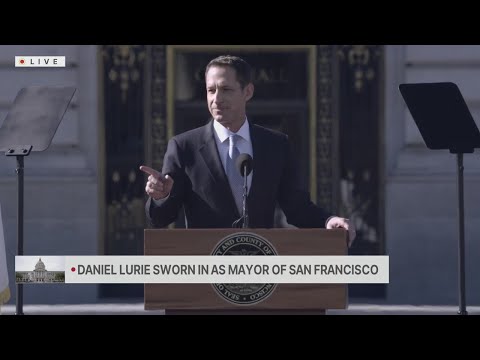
<point x="201" y="186"/>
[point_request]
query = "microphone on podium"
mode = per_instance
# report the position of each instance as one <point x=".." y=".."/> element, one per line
<point x="244" y="165"/>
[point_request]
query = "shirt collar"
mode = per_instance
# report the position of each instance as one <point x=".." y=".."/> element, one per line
<point x="223" y="133"/>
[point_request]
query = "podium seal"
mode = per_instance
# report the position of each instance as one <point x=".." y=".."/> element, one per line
<point x="244" y="244"/>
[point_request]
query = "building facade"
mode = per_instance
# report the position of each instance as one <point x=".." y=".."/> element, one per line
<point x="39" y="275"/>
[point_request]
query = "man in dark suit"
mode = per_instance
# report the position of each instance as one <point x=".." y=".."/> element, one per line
<point x="199" y="166"/>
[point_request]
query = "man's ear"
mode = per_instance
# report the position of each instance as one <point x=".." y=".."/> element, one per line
<point x="249" y="89"/>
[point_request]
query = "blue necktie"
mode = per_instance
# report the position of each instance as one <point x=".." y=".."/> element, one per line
<point x="233" y="175"/>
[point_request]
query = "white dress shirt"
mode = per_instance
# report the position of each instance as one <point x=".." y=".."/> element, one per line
<point x="244" y="144"/>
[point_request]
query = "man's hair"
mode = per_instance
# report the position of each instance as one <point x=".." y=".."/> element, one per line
<point x="242" y="69"/>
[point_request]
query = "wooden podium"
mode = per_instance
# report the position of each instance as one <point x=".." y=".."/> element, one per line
<point x="283" y="299"/>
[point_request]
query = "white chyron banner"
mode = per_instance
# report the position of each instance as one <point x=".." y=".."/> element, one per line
<point x="227" y="269"/>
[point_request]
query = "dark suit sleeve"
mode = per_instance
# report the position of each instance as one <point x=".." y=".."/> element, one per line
<point x="295" y="201"/>
<point x="161" y="215"/>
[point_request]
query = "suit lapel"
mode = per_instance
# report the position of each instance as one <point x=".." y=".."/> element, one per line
<point x="211" y="157"/>
<point x="260" y="164"/>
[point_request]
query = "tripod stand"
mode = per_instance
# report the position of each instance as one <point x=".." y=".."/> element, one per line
<point x="444" y="121"/>
<point x="30" y="126"/>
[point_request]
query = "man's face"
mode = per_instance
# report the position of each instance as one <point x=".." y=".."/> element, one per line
<point x="225" y="96"/>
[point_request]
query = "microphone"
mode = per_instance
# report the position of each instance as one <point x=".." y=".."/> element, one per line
<point x="244" y="165"/>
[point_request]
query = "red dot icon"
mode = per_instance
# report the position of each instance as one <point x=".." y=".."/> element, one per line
<point x="22" y="61"/>
<point x="73" y="269"/>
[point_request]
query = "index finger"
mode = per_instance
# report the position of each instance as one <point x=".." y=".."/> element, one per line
<point x="151" y="171"/>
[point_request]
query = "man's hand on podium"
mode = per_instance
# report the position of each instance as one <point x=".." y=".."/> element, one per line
<point x="339" y="222"/>
<point x="158" y="185"/>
